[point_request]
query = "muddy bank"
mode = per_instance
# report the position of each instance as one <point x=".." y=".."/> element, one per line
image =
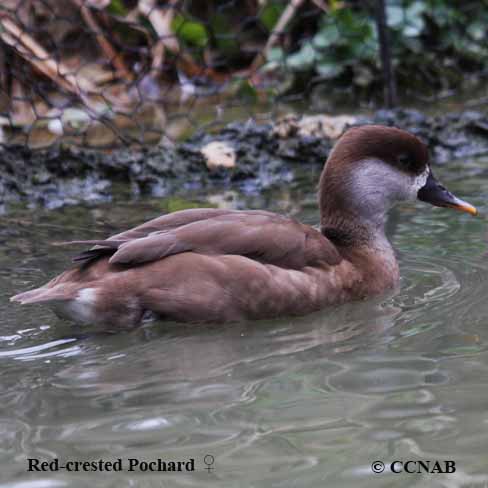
<point x="257" y="157"/>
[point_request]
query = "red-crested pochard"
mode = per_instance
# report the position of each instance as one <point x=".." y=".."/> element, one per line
<point x="223" y="265"/>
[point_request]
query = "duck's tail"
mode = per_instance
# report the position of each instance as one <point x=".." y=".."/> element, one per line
<point x="43" y="294"/>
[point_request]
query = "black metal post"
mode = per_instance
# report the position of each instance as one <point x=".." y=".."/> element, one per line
<point x="385" y="54"/>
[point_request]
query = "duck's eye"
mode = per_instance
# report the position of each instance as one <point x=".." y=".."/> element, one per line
<point x="404" y="160"/>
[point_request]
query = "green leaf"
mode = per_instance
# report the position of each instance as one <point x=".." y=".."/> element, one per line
<point x="442" y="14"/>
<point x="416" y="9"/>
<point x="414" y="19"/>
<point x="270" y="14"/>
<point x="190" y="31"/>
<point x="477" y="30"/>
<point x="327" y="36"/>
<point x="395" y="16"/>
<point x="275" y="55"/>
<point x="275" y="59"/>
<point x="335" y="5"/>
<point x="329" y="70"/>
<point x="409" y="20"/>
<point x="117" y="7"/>
<point x="304" y="58"/>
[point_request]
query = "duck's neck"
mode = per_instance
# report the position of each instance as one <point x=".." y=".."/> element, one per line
<point x="348" y="229"/>
<point x="364" y="243"/>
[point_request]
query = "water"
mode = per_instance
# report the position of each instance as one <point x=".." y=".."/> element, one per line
<point x="305" y="402"/>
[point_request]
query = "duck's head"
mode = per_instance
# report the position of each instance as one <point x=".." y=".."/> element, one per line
<point x="372" y="167"/>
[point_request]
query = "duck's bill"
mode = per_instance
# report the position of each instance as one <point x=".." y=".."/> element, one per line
<point x="435" y="194"/>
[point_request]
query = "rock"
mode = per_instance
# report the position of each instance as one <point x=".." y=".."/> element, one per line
<point x="219" y="154"/>
<point x="328" y="126"/>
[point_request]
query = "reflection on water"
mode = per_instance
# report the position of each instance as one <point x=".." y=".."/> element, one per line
<point x="309" y="401"/>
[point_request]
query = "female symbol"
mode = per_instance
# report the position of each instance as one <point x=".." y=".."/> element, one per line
<point x="209" y="460"/>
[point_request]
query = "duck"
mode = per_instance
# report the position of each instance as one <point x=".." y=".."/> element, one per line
<point x="220" y="265"/>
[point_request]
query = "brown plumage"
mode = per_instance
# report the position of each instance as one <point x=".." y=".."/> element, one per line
<point x="289" y="243"/>
<point x="223" y="265"/>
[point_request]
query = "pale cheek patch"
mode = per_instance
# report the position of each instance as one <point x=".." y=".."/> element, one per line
<point x="419" y="182"/>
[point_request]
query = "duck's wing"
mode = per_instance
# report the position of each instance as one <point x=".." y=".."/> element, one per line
<point x="159" y="224"/>
<point x="263" y="236"/>
<point x="170" y="221"/>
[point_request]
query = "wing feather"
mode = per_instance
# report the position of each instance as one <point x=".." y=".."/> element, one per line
<point x="264" y="236"/>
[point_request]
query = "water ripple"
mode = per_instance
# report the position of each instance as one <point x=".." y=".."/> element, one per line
<point x="292" y="402"/>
